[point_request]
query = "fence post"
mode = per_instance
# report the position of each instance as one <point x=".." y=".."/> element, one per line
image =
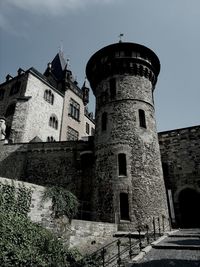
<point x="147" y="234"/>
<point x="154" y="229"/>
<point x="118" y="247"/>
<point x="159" y="226"/>
<point x="103" y="257"/>
<point x="130" y="246"/>
<point x="140" y="241"/>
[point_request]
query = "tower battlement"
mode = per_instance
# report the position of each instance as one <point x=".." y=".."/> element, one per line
<point x="122" y="58"/>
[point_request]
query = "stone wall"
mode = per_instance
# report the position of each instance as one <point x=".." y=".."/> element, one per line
<point x="84" y="235"/>
<point x="57" y="163"/>
<point x="180" y="152"/>
<point x="39" y="211"/>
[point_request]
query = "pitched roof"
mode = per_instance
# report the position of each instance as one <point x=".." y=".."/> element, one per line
<point x="58" y="66"/>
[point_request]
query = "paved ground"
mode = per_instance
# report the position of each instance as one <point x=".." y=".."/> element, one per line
<point x="181" y="249"/>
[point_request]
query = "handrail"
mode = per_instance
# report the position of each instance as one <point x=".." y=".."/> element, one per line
<point x="159" y="226"/>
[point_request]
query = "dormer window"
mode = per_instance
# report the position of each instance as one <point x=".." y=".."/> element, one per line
<point x="49" y="96"/>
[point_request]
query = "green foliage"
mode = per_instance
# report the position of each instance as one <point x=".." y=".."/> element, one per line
<point x="63" y="202"/>
<point x="22" y="242"/>
<point x="15" y="199"/>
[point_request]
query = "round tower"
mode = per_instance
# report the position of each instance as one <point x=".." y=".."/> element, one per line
<point x="128" y="178"/>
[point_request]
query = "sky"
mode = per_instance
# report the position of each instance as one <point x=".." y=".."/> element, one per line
<point x="33" y="31"/>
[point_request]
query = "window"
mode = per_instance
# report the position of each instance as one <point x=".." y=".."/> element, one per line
<point x="74" y="109"/>
<point x="142" y="118"/>
<point x="53" y="122"/>
<point x="50" y="139"/>
<point x="10" y="110"/>
<point x="122" y="164"/>
<point x="72" y="135"/>
<point x="2" y="92"/>
<point x="124" y="206"/>
<point x="87" y="128"/>
<point x="15" y="88"/>
<point x="49" y="96"/>
<point x="104" y="121"/>
<point x="112" y="88"/>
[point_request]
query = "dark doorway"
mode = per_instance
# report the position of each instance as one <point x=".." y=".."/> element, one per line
<point x="124" y="206"/>
<point x="189" y="203"/>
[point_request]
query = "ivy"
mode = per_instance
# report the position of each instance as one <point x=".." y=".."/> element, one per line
<point x="16" y="199"/>
<point x="64" y="203"/>
<point x="24" y="243"/>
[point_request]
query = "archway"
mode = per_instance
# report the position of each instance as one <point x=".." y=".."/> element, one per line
<point x="189" y="204"/>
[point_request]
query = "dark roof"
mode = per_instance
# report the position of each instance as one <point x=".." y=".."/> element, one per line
<point x="58" y="66"/>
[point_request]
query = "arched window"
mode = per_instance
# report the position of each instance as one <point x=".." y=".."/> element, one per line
<point x="50" y="139"/>
<point x="142" y="118"/>
<point x="122" y="164"/>
<point x="104" y="121"/>
<point x="53" y="122"/>
<point x="49" y="96"/>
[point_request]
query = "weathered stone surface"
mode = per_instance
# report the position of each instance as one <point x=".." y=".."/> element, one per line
<point x="180" y="151"/>
<point x="143" y="182"/>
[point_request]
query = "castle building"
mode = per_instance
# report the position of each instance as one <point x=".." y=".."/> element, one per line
<point x="49" y="106"/>
<point x="125" y="174"/>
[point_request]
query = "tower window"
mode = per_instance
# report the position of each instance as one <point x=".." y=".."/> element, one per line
<point x="53" y="122"/>
<point x="124" y="206"/>
<point x="142" y="118"/>
<point x="49" y="96"/>
<point x="72" y="135"/>
<point x="104" y="121"/>
<point x="2" y="92"/>
<point x="87" y="128"/>
<point x="74" y="109"/>
<point x="112" y="88"/>
<point x="122" y="164"/>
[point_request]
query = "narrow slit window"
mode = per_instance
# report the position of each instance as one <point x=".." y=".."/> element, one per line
<point x="124" y="206"/>
<point x="122" y="164"/>
<point x="104" y="121"/>
<point x="112" y="88"/>
<point x="142" y="118"/>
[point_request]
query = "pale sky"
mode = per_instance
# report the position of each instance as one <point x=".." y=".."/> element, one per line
<point x="31" y="32"/>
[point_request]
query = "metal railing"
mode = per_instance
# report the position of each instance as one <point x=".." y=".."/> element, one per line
<point x="124" y="248"/>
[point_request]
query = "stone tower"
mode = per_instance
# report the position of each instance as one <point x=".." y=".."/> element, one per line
<point x="129" y="182"/>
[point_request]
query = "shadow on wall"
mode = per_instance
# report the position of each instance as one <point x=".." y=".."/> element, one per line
<point x="56" y="163"/>
<point x="12" y="159"/>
